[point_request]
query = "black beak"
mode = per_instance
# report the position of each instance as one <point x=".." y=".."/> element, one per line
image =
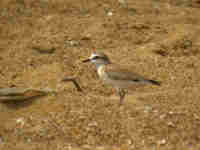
<point x="87" y="60"/>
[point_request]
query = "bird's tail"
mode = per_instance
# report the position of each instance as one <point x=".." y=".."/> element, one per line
<point x="154" y="82"/>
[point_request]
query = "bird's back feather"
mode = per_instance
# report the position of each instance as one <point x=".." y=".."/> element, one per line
<point x="122" y="74"/>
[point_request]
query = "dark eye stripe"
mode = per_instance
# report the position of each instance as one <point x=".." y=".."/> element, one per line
<point x="96" y="57"/>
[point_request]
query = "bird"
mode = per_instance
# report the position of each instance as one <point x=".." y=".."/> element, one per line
<point x="121" y="78"/>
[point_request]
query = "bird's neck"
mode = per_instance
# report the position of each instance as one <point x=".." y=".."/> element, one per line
<point x="98" y="66"/>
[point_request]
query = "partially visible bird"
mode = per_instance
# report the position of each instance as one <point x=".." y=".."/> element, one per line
<point x="120" y="78"/>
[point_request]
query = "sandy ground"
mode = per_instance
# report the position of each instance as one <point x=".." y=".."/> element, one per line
<point x="159" y="39"/>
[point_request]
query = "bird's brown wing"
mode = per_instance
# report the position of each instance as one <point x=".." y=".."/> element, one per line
<point x="119" y="73"/>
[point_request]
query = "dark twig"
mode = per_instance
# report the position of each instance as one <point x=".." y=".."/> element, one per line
<point x="74" y="82"/>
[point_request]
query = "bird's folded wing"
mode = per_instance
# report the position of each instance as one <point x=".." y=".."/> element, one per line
<point x="118" y="73"/>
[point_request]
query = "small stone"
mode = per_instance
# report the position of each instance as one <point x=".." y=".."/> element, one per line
<point x="73" y="43"/>
<point x="93" y="124"/>
<point x="110" y="13"/>
<point x="171" y="112"/>
<point x="162" y="142"/>
<point x="44" y="49"/>
<point x="129" y="142"/>
<point x="123" y="3"/>
<point x="161" y="52"/>
<point x="163" y="116"/>
<point x="171" y="124"/>
<point x="29" y="140"/>
<point x="87" y="147"/>
<point x="1" y="139"/>
<point x="196" y="117"/>
<point x="147" y="109"/>
<point x="101" y="148"/>
<point x="155" y="111"/>
<point x="20" y="121"/>
<point x="86" y="37"/>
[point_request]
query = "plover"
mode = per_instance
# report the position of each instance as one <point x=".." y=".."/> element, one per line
<point x="120" y="78"/>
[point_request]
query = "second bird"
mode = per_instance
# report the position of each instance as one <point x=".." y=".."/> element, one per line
<point x="114" y="75"/>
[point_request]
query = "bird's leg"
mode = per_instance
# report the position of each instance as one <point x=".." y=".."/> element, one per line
<point x="122" y="94"/>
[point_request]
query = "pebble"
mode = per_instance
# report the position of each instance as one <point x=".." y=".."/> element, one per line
<point x="110" y="13"/>
<point x="48" y="49"/>
<point x="162" y="142"/>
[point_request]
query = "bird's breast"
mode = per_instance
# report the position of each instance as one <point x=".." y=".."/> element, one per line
<point x="101" y="72"/>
